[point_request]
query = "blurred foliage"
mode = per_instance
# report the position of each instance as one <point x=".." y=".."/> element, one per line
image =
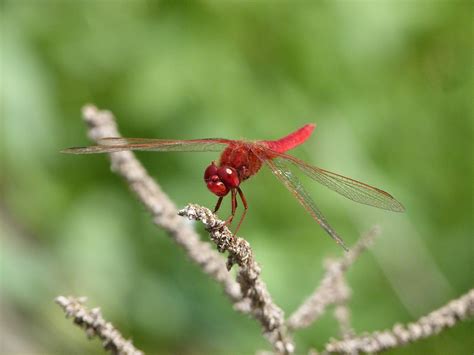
<point x="388" y="83"/>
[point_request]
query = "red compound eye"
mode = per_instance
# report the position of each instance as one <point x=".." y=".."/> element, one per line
<point x="217" y="187"/>
<point x="210" y="171"/>
<point x="228" y="176"/>
<point x="213" y="181"/>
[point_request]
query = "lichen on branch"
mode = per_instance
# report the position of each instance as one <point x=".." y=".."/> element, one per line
<point x="400" y="335"/>
<point x="256" y="298"/>
<point x="94" y="325"/>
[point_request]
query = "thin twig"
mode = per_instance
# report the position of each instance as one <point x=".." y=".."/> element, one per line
<point x="342" y="314"/>
<point x="429" y="325"/>
<point x="333" y="288"/>
<point x="95" y="325"/>
<point x="257" y="300"/>
<point x="102" y="124"/>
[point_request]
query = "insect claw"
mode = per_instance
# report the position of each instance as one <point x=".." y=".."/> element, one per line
<point x="228" y="221"/>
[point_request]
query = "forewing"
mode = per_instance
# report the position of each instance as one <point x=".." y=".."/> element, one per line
<point x="279" y="168"/>
<point x="118" y="144"/>
<point x="352" y="189"/>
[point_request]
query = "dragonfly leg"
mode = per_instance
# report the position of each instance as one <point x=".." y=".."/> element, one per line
<point x="244" y="202"/>
<point x="218" y="204"/>
<point x="234" y="207"/>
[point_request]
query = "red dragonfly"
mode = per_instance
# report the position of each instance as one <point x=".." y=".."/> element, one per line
<point x="241" y="159"/>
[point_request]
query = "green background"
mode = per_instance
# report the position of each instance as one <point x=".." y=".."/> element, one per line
<point x="389" y="85"/>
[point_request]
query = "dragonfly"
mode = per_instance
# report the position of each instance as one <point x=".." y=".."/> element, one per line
<point x="242" y="159"/>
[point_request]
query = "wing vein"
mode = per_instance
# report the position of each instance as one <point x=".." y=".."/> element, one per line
<point x="118" y="144"/>
<point x="352" y="189"/>
<point x="280" y="169"/>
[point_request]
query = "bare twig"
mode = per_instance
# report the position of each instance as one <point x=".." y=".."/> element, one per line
<point x="342" y="314"/>
<point x="257" y="300"/>
<point x="102" y="124"/>
<point x="438" y="320"/>
<point x="95" y="325"/>
<point x="333" y="288"/>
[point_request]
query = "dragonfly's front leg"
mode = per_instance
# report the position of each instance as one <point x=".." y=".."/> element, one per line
<point x="234" y="207"/>
<point x="218" y="204"/>
<point x="244" y="202"/>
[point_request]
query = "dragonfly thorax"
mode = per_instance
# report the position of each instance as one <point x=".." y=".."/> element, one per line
<point x="220" y="180"/>
<point x="242" y="159"/>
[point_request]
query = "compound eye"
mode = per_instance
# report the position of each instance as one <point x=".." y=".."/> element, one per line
<point x="217" y="187"/>
<point x="228" y="176"/>
<point x="210" y="171"/>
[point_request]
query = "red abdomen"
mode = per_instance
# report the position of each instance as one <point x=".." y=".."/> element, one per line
<point x="292" y="140"/>
<point x="240" y="157"/>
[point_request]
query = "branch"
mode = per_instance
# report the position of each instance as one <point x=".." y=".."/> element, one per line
<point x="342" y="314"/>
<point x="438" y="320"/>
<point x="102" y="124"/>
<point x="249" y="294"/>
<point x="257" y="300"/>
<point x="333" y="288"/>
<point x="94" y="325"/>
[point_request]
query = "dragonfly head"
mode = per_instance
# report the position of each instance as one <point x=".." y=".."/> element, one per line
<point x="220" y="180"/>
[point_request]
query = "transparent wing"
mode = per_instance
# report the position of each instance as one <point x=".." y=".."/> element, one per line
<point x="352" y="189"/>
<point x="118" y="144"/>
<point x="279" y="168"/>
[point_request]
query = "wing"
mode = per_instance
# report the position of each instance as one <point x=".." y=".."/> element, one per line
<point x="279" y="168"/>
<point x="118" y="144"/>
<point x="352" y="189"/>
